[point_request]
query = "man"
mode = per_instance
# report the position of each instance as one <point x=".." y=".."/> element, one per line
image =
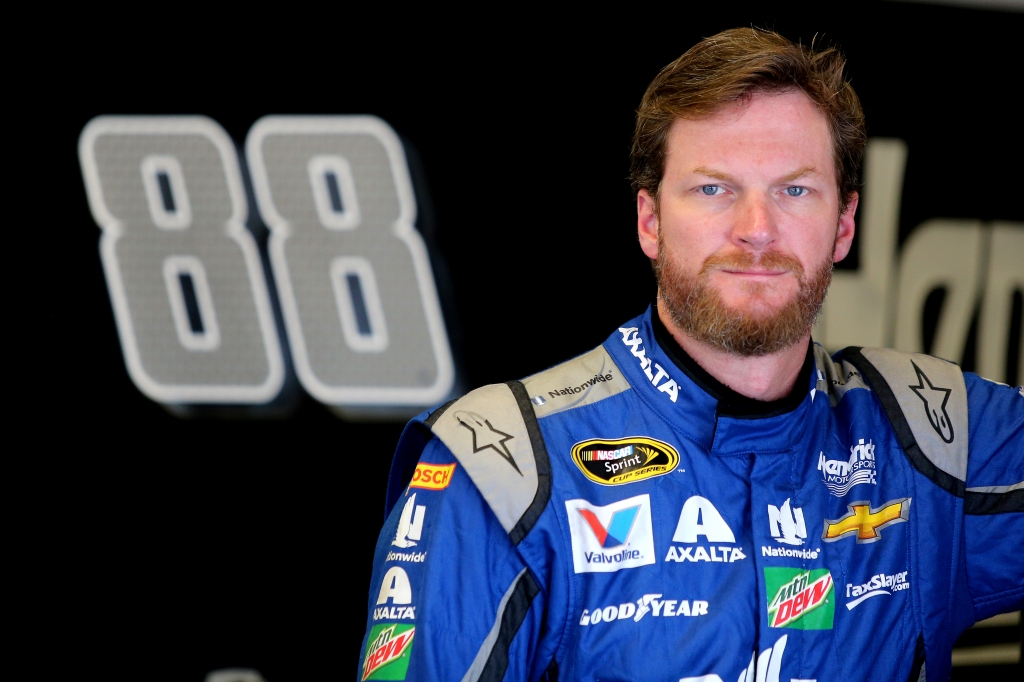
<point x="707" y="495"/>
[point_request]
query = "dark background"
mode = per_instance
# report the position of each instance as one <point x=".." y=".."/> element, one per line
<point x="147" y="545"/>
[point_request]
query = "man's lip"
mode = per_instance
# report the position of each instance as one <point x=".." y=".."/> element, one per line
<point x="761" y="273"/>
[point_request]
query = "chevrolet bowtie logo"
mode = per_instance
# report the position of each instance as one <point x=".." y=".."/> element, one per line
<point x="866" y="522"/>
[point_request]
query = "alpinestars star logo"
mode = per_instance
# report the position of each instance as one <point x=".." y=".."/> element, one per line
<point x="935" y="399"/>
<point x="486" y="436"/>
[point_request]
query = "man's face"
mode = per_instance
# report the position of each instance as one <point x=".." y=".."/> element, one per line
<point x="749" y="224"/>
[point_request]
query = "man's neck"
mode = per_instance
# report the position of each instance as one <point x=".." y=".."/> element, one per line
<point x="764" y="377"/>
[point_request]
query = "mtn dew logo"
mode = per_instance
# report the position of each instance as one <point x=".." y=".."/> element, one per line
<point x="388" y="651"/>
<point x="800" y="599"/>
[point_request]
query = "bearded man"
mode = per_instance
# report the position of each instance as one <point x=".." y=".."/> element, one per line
<point x="708" y="495"/>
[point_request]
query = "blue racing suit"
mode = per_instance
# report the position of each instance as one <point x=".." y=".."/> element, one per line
<point x="624" y="516"/>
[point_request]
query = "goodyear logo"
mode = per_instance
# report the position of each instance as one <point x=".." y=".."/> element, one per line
<point x="864" y="523"/>
<point x="800" y="599"/>
<point x="624" y="460"/>
<point x="432" y="476"/>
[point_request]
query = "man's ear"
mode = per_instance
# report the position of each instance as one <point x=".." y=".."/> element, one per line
<point x="647" y="223"/>
<point x="844" y="235"/>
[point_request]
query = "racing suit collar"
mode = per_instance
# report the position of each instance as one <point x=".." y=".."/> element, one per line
<point x="731" y="403"/>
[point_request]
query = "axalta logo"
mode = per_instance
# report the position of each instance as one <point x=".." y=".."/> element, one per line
<point x="612" y="537"/>
<point x="432" y="476"/>
<point x="395" y="588"/>
<point x="841" y="475"/>
<point x="881" y="584"/>
<point x="649" y="603"/>
<point x="387" y="652"/>
<point x="410" y="524"/>
<point x="624" y="460"/>
<point x="631" y="338"/>
<point x="865" y="523"/>
<point x="700" y="519"/>
<point x="799" y="598"/>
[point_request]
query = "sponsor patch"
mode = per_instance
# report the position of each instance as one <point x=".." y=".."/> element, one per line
<point x="432" y="476"/>
<point x="700" y="522"/>
<point x="624" y="460"/>
<point x="610" y="538"/>
<point x="649" y="603"/>
<point x="841" y="475"/>
<point x="786" y="524"/>
<point x="865" y="523"/>
<point x="659" y="377"/>
<point x="800" y="599"/>
<point x="410" y="524"/>
<point x="387" y="651"/>
<point x="878" y="585"/>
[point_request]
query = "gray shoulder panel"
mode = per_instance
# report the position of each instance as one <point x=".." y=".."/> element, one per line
<point x="932" y="396"/>
<point x="487" y="433"/>
<point x="835" y="378"/>
<point x="584" y="380"/>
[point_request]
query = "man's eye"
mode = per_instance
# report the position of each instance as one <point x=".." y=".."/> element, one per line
<point x="711" y="190"/>
<point x="796" y="191"/>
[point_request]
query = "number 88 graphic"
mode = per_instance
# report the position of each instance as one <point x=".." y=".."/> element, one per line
<point x="193" y="313"/>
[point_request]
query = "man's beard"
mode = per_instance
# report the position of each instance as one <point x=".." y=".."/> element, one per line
<point x="697" y="308"/>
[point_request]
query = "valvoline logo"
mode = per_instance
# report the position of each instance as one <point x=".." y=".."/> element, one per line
<point x="611" y="537"/>
<point x="618" y="528"/>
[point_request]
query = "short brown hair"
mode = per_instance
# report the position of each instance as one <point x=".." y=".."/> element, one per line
<point x="732" y="66"/>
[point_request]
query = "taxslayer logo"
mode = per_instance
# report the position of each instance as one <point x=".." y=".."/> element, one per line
<point x="799" y="599"/>
<point x="395" y="588"/>
<point x="879" y="585"/>
<point x="839" y="475"/>
<point x="432" y="476"/>
<point x="864" y="523"/>
<point x="649" y="603"/>
<point x="624" y="460"/>
<point x="631" y="338"/>
<point x="610" y="538"/>
<point x="700" y="519"/>
<point x="388" y="651"/>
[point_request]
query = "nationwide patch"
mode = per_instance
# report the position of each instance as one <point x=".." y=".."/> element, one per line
<point x="624" y="460"/>
<point x="800" y="599"/>
<point x="387" y="652"/>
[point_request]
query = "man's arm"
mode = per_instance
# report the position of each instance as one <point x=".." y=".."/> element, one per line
<point x="450" y="598"/>
<point x="994" y="500"/>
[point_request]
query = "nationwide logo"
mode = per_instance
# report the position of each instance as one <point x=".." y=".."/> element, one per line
<point x="414" y="557"/>
<point x="576" y="390"/>
<point x="624" y="460"/>
<point x="612" y="537"/>
<point x="787" y="524"/>
<point x="410" y="524"/>
<point x="839" y="475"/>
<point x="486" y="437"/>
<point x="649" y="603"/>
<point x="432" y="476"/>
<point x="878" y="585"/>
<point x="799" y="598"/>
<point x="388" y="651"/>
<point x="395" y="588"/>
<point x="631" y="338"/>
<point x="864" y="523"/>
<point x="700" y="519"/>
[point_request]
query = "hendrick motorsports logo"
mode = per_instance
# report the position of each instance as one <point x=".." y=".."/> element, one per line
<point x="878" y="585"/>
<point x="649" y="603"/>
<point x="624" y="460"/>
<point x="841" y="475"/>
<point x="799" y="599"/>
<point x="387" y="652"/>
<point x="612" y="537"/>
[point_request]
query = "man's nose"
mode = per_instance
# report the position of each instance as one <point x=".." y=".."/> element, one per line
<point x="755" y="226"/>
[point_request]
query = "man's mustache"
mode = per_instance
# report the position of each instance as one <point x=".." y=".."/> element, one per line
<point x="745" y="260"/>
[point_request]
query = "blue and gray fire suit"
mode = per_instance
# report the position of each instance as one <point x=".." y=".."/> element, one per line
<point x="625" y="516"/>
